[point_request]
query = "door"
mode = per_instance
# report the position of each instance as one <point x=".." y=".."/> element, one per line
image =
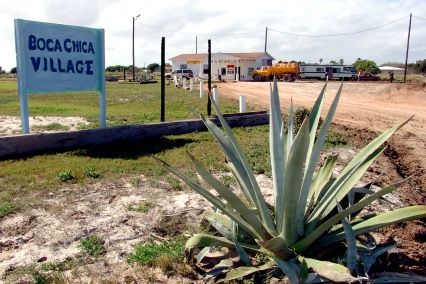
<point x="238" y="71"/>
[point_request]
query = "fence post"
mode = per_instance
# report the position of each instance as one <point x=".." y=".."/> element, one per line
<point x="184" y="86"/>
<point x="216" y="95"/>
<point x="201" y="89"/>
<point x="243" y="105"/>
<point x="191" y="84"/>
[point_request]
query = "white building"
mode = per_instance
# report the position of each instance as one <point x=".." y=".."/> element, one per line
<point x="227" y="65"/>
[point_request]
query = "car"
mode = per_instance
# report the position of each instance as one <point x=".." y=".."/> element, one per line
<point x="365" y="77"/>
<point x="111" y="78"/>
<point x="186" y="73"/>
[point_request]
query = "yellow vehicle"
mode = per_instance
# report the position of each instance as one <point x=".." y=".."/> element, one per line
<point x="287" y="71"/>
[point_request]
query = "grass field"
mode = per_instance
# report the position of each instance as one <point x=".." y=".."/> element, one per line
<point x="127" y="104"/>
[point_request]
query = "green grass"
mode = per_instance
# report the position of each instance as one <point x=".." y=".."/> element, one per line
<point x="54" y="126"/>
<point x="151" y="252"/>
<point x="92" y="245"/>
<point x="126" y="103"/>
<point x="6" y="208"/>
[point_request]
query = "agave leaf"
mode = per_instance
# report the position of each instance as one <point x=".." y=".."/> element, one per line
<point x="212" y="199"/>
<point x="222" y="223"/>
<point x="229" y="196"/>
<point x="304" y="243"/>
<point x="290" y="127"/>
<point x="288" y="270"/>
<point x="330" y="270"/>
<point x="351" y="255"/>
<point x="235" y="156"/>
<point x="206" y="240"/>
<point x="278" y="247"/>
<point x="241" y="184"/>
<point x="304" y="272"/>
<point x="374" y="222"/>
<point x="203" y="253"/>
<point x="242" y="253"/>
<point x="326" y="204"/>
<point x="341" y="186"/>
<point x="276" y="153"/>
<point x="368" y="258"/>
<point x="311" y="161"/>
<point x="243" y="271"/>
<point x="395" y="277"/>
<point x="322" y="177"/>
<point x="293" y="182"/>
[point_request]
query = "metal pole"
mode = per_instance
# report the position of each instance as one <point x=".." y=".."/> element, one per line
<point x="266" y="37"/>
<point x="408" y="46"/>
<point x="209" y="103"/>
<point x="163" y="78"/>
<point x="133" y="49"/>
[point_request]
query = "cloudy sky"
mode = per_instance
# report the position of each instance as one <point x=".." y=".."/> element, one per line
<point x="297" y="29"/>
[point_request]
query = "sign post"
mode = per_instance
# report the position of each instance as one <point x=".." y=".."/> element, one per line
<point x="59" y="58"/>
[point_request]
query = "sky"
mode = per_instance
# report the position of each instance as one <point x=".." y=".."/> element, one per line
<point x="302" y="30"/>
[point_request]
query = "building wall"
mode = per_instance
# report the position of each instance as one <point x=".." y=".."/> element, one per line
<point x="223" y="66"/>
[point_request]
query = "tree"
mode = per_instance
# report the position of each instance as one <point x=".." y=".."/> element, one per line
<point x="115" y="68"/>
<point x="14" y="70"/>
<point x="341" y="61"/>
<point x="152" y="66"/>
<point x="334" y="62"/>
<point x="365" y="65"/>
<point x="320" y="60"/>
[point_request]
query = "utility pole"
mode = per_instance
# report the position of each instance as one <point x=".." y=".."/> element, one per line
<point x="133" y="46"/>
<point x="196" y="45"/>
<point x="408" y="46"/>
<point x="163" y="80"/>
<point x="266" y="38"/>
<point x="209" y="82"/>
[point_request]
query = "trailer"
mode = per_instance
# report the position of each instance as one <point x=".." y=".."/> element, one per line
<point x="321" y="71"/>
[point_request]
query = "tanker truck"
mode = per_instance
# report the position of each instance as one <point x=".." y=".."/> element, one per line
<point x="287" y="71"/>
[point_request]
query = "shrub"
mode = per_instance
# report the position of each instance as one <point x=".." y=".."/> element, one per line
<point x="66" y="175"/>
<point x="92" y="245"/>
<point x="306" y="218"/>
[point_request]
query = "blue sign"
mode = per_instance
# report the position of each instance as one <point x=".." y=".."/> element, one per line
<point x="59" y="58"/>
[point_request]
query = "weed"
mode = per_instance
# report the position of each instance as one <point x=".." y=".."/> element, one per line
<point x="54" y="126"/>
<point x="174" y="183"/>
<point x="333" y="140"/>
<point x="6" y="208"/>
<point x="92" y="173"/>
<point x="59" y="266"/>
<point x="66" y="175"/>
<point x="171" y="226"/>
<point x="92" y="245"/>
<point x="136" y="181"/>
<point x="227" y="180"/>
<point x="143" y="207"/>
<point x="163" y="255"/>
<point x="40" y="278"/>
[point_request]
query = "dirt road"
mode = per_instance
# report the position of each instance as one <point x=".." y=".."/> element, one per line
<point x="363" y="106"/>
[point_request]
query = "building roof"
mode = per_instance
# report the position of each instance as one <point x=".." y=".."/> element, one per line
<point x="240" y="55"/>
<point x="390" y="68"/>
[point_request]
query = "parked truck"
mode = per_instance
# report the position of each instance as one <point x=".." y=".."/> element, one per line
<point x="287" y="71"/>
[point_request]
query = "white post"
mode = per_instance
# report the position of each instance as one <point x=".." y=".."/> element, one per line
<point x="191" y="84"/>
<point x="175" y="81"/>
<point x="184" y="86"/>
<point x="243" y="105"/>
<point x="216" y="95"/>
<point x="201" y="89"/>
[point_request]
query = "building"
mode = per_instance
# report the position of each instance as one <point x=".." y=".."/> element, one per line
<point x="227" y="65"/>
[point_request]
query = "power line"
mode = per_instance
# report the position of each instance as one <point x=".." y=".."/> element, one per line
<point x="419" y="17"/>
<point x="341" y="34"/>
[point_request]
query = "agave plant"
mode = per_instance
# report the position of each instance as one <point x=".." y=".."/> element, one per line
<point x="306" y="217"/>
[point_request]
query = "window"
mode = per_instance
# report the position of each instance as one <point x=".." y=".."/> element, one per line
<point x="183" y="66"/>
<point x="250" y="71"/>
<point x="336" y="70"/>
<point x="267" y="62"/>
<point x="223" y="71"/>
<point x="205" y="69"/>
<point x="320" y="69"/>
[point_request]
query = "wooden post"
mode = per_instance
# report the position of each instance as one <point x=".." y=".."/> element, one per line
<point x="163" y="80"/>
<point x="209" y="103"/>
<point x="408" y="46"/>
